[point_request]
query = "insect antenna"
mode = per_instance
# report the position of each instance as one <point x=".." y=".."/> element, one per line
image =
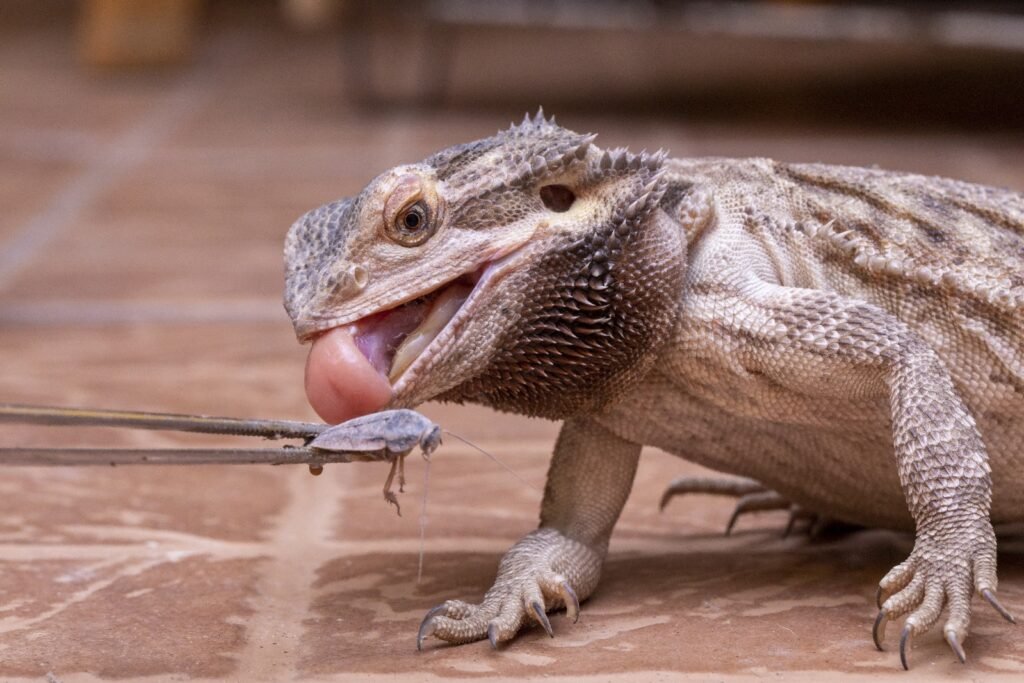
<point x="426" y="488"/>
<point x="423" y="519"/>
<point x="493" y="458"/>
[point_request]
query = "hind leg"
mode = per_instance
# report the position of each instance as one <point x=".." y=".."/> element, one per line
<point x="752" y="496"/>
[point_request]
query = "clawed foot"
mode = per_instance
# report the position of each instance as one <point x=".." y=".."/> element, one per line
<point x="734" y="487"/>
<point x="944" y="569"/>
<point x="751" y="496"/>
<point x="544" y="571"/>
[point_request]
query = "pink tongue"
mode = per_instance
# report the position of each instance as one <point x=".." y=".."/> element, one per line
<point x="340" y="382"/>
<point x="377" y="336"/>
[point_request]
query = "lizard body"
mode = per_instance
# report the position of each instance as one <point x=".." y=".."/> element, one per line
<point x="849" y="338"/>
<point x="868" y="236"/>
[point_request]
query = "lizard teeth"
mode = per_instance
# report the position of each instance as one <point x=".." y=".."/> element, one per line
<point x="442" y="309"/>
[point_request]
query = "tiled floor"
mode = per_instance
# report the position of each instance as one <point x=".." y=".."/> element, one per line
<point x="140" y="249"/>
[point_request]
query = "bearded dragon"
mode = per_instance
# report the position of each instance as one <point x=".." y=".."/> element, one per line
<point x="850" y="339"/>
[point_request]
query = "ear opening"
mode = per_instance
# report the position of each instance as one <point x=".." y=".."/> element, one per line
<point x="557" y="198"/>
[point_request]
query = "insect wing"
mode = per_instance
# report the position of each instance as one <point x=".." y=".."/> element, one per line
<point x="355" y="436"/>
<point x="394" y="431"/>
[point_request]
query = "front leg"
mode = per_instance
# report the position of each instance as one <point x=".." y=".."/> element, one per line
<point x="559" y="564"/>
<point x="818" y="343"/>
<point x="945" y="474"/>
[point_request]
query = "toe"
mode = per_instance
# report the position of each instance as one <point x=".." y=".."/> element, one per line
<point x="755" y="502"/>
<point x="896" y="606"/>
<point x="897" y="579"/>
<point x="457" y="631"/>
<point x="572" y="603"/>
<point x="507" y="624"/>
<point x="929" y="609"/>
<point x="906" y="599"/>
<point x="990" y="597"/>
<point x="906" y="638"/>
<point x="538" y="613"/>
<point x="427" y="626"/>
<point x="715" y="486"/>
<point x="878" y="630"/>
<point x="492" y="635"/>
<point x="447" y="621"/>
<point x="558" y="591"/>
<point x="954" y="642"/>
<point x="454" y="621"/>
<point x="797" y="513"/>
<point x="985" y="583"/>
<point x="958" y="602"/>
<point x="921" y="619"/>
<point x="534" y="606"/>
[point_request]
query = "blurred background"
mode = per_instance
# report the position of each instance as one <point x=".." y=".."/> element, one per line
<point x="236" y="116"/>
<point x="166" y="145"/>
<point x="153" y="154"/>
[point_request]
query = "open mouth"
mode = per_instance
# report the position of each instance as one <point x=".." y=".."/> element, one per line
<point x="393" y="339"/>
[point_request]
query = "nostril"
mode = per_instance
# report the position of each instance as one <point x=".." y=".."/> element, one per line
<point x="348" y="283"/>
<point x="360" y="276"/>
<point x="557" y="198"/>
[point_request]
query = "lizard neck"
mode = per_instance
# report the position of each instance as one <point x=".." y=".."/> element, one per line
<point x="574" y="351"/>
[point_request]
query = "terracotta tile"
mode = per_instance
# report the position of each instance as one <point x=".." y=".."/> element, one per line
<point x="171" y="234"/>
<point x="27" y="186"/>
<point x="743" y="606"/>
<point x="153" y="615"/>
<point x="142" y="505"/>
<point x="217" y="369"/>
<point x="157" y="263"/>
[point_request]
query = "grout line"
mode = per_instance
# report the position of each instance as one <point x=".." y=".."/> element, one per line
<point x="120" y="156"/>
<point x="298" y="546"/>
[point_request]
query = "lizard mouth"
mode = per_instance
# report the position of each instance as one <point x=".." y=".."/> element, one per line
<point x="393" y="339"/>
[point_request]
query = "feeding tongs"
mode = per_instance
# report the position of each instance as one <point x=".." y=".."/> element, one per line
<point x="387" y="435"/>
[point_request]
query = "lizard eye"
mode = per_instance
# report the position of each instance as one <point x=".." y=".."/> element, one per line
<point x="412" y="226"/>
<point x="557" y="198"/>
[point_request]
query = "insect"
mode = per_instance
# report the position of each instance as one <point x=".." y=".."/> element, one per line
<point x="387" y="435"/>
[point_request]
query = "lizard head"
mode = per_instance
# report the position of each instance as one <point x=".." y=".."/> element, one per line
<point x="529" y="271"/>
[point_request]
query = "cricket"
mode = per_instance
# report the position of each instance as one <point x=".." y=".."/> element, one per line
<point x="386" y="436"/>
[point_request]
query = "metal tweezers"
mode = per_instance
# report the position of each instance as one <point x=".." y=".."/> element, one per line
<point x="315" y="457"/>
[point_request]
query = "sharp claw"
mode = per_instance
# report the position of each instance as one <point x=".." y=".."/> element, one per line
<point x="991" y="597"/>
<point x="878" y="598"/>
<point x="790" y="524"/>
<point x="665" y="498"/>
<point x="572" y="603"/>
<point x="878" y="630"/>
<point x="427" y="626"/>
<point x="906" y="644"/>
<point x="954" y="643"/>
<point x="732" y="520"/>
<point x="492" y="635"/>
<point x="541" y="616"/>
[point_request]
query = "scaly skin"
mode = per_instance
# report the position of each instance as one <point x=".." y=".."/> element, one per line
<point x="848" y="339"/>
